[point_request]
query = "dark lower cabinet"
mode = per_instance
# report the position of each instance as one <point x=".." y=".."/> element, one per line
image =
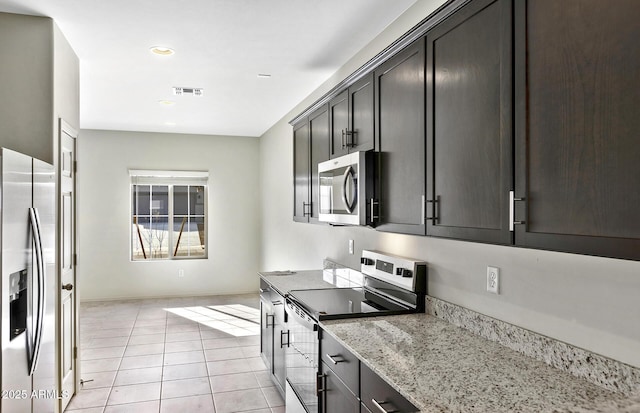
<point x="400" y="126"/>
<point x="347" y="385"/>
<point x="469" y="126"/>
<point x="577" y="127"/>
<point x="266" y="330"/>
<point x="280" y="341"/>
<point x="378" y="396"/>
<point x="340" y="377"/>
<point x="274" y="334"/>
<point x="335" y="395"/>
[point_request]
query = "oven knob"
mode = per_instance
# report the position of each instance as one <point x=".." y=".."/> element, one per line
<point x="403" y="272"/>
<point x="366" y="261"/>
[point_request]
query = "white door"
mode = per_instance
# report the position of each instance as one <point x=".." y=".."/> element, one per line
<point x="68" y="305"/>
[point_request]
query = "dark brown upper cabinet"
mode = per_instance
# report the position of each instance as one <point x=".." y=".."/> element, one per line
<point x="469" y="126"/>
<point x="310" y="147"/>
<point x="301" y="172"/>
<point x="400" y="127"/>
<point x="319" y="147"/>
<point x="351" y="118"/>
<point x="577" y="127"/>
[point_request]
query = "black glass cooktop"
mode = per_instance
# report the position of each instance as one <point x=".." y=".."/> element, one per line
<point x="333" y="303"/>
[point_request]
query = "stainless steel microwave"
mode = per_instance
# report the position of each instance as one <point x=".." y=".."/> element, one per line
<point x="345" y="186"/>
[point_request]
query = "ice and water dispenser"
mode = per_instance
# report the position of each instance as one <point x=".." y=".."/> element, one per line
<point x="18" y="303"/>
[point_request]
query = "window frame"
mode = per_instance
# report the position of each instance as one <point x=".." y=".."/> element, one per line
<point x="170" y="179"/>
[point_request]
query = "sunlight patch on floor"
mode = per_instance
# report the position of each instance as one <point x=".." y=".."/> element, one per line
<point x="235" y="319"/>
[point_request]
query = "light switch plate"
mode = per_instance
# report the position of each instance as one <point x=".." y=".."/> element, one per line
<point x="351" y="246"/>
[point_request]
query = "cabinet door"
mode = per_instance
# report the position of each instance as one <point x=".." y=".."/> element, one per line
<point x="341" y="361"/>
<point x="301" y="201"/>
<point x="469" y="139"/>
<point x="319" y="136"/>
<point x="336" y="397"/>
<point x="361" y="115"/>
<point x="266" y="332"/>
<point x="280" y="341"/>
<point x="577" y="126"/>
<point x="400" y="126"/>
<point x="339" y="118"/>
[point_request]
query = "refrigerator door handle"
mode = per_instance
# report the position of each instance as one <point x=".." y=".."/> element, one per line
<point x="35" y="227"/>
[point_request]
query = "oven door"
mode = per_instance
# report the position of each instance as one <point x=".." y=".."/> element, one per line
<point x="343" y="189"/>
<point x="302" y="359"/>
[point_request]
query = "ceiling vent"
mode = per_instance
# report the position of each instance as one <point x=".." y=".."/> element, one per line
<point x="184" y="91"/>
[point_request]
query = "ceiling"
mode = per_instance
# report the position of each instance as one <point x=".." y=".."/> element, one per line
<point x="220" y="46"/>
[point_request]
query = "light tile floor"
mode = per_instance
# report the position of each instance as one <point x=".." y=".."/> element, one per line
<point x="195" y="354"/>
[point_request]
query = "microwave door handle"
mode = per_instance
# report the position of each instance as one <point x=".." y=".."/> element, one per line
<point x="349" y="173"/>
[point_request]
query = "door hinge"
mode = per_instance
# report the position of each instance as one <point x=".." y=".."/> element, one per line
<point x="75" y="166"/>
<point x="75" y="259"/>
<point x="75" y="352"/>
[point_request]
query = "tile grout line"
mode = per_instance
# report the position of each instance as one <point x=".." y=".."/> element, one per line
<point x="164" y="348"/>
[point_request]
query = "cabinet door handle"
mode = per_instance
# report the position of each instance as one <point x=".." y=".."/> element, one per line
<point x="267" y="320"/>
<point x="379" y="406"/>
<point x="321" y="385"/>
<point x="512" y="213"/>
<point x="373" y="217"/>
<point x="306" y="209"/>
<point x="282" y="333"/>
<point x="347" y="138"/>
<point x="434" y="211"/>
<point x="334" y="361"/>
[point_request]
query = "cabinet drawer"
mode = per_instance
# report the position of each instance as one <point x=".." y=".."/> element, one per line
<point x="379" y="397"/>
<point x="336" y="397"/>
<point x="345" y="365"/>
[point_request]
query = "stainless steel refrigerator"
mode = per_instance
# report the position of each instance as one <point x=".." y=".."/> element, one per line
<point x="27" y="325"/>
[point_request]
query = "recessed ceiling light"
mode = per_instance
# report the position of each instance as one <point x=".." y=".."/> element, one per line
<point x="162" y="51"/>
<point x="170" y="123"/>
<point x="264" y="75"/>
<point x="166" y="102"/>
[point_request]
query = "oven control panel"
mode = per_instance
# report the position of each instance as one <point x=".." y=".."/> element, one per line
<point x="394" y="269"/>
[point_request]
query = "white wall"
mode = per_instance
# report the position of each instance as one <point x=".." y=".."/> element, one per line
<point x="26" y="81"/>
<point x="66" y="83"/>
<point x="103" y="207"/>
<point x="587" y="301"/>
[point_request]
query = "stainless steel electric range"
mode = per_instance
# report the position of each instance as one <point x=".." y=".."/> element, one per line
<point x="392" y="285"/>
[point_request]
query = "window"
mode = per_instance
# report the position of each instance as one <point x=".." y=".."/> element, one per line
<point x="169" y="215"/>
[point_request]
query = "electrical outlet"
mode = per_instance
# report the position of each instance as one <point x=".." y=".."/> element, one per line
<point x="493" y="280"/>
<point x="180" y="273"/>
<point x="351" y="246"/>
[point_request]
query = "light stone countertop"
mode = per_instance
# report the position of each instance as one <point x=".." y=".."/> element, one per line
<point x="443" y="368"/>
<point x="297" y="280"/>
